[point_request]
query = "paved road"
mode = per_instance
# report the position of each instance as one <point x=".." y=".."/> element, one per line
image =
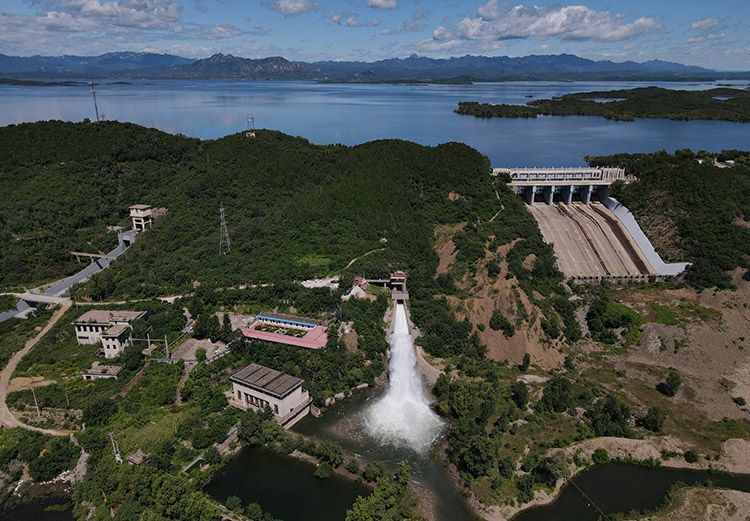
<point x="6" y="417"/>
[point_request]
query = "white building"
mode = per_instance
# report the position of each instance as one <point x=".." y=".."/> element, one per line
<point x="256" y="387"/>
<point x="110" y="327"/>
<point x="99" y="371"/>
<point x="142" y="216"/>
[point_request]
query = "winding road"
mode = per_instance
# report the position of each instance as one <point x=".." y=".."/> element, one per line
<point x="6" y="417"/>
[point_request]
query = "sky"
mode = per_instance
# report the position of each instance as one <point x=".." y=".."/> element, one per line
<point x="709" y="33"/>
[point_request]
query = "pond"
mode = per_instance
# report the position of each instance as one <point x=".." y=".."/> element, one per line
<point x="45" y="508"/>
<point x="617" y="487"/>
<point x="284" y="487"/>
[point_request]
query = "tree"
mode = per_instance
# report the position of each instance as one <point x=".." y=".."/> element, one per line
<point x="654" y="419"/>
<point x="99" y="411"/>
<point x="499" y="322"/>
<point x="672" y="383"/>
<point x="609" y="417"/>
<point x="519" y="393"/>
<point x="373" y="471"/>
<point x="234" y="504"/>
<point x="132" y="357"/>
<point x="207" y="326"/>
<point x="212" y="456"/>
<point x="200" y="355"/>
<point x="524" y="366"/>
<point x="557" y="395"/>
<point x="226" y="329"/>
<point x="479" y="455"/>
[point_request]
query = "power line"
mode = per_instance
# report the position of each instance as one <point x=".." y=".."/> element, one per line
<point x="93" y="93"/>
<point x="224" y="244"/>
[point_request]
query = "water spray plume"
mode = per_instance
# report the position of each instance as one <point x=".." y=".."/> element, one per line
<point x="403" y="417"/>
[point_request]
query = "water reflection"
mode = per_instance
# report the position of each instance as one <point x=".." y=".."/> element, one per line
<point x="352" y="114"/>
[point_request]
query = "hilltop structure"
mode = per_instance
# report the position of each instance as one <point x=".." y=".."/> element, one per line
<point x="257" y="387"/>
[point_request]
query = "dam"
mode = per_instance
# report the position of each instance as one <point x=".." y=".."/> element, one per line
<point x="593" y="235"/>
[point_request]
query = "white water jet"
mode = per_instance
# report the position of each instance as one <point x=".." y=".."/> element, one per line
<point x="402" y="417"/>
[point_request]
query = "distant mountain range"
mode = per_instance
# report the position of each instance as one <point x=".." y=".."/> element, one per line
<point x="464" y="69"/>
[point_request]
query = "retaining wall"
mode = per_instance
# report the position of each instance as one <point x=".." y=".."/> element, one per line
<point x="664" y="269"/>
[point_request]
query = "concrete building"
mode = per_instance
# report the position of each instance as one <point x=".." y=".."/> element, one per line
<point x="256" y="387"/>
<point x="99" y="371"/>
<point x="287" y="329"/>
<point x="563" y="184"/>
<point x="110" y="327"/>
<point x="142" y="216"/>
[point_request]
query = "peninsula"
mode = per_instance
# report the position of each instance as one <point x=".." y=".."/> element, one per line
<point x="725" y="104"/>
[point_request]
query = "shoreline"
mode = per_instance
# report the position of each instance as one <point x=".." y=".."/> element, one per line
<point x="735" y="459"/>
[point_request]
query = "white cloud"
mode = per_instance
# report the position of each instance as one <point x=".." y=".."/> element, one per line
<point x="350" y="20"/>
<point x="414" y="24"/>
<point x="496" y="22"/>
<point x="225" y="31"/>
<point x="294" y="7"/>
<point x="382" y="4"/>
<point x="139" y="14"/>
<point x="702" y="25"/>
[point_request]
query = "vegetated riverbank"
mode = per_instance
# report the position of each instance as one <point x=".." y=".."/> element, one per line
<point x="724" y="104"/>
<point x="664" y="452"/>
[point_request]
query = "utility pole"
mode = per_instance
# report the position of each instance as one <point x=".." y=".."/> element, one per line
<point x="224" y="245"/>
<point x="93" y="93"/>
<point x="36" y="404"/>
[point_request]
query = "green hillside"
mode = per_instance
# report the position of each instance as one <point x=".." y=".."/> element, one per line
<point x="691" y="211"/>
<point x="294" y="210"/>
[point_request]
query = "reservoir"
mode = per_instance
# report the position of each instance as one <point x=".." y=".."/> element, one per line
<point x="355" y="113"/>
<point x="284" y="487"/>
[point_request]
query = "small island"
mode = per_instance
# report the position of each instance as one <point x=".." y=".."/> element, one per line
<point x="37" y="83"/>
<point x="725" y="104"/>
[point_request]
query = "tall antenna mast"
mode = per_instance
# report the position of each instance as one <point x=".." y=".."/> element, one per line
<point x="223" y="232"/>
<point x="93" y="93"/>
<point x="250" y="126"/>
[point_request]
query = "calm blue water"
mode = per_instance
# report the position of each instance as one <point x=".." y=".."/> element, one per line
<point x="352" y="114"/>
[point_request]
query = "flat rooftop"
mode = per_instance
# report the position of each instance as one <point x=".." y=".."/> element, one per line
<point x="98" y="369"/>
<point x="105" y="316"/>
<point x="116" y="330"/>
<point x="288" y="318"/>
<point x="265" y="379"/>
<point x="139" y="206"/>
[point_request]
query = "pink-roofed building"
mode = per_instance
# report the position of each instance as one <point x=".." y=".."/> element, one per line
<point x="287" y="329"/>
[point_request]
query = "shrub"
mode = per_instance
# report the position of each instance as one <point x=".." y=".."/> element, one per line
<point x="324" y="471"/>
<point x="525" y="363"/>
<point x="654" y="419"/>
<point x="672" y="383"/>
<point x="519" y="393"/>
<point x="691" y="456"/>
<point x="499" y="322"/>
<point x="600" y="456"/>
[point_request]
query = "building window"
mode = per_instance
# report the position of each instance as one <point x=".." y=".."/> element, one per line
<point x="276" y="409"/>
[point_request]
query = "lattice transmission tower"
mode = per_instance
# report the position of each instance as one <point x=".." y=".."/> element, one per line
<point x="224" y="245"/>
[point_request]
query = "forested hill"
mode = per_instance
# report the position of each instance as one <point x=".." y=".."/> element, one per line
<point x="691" y="209"/>
<point x="294" y="210"/>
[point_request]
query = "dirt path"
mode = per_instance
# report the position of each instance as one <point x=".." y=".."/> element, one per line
<point x="6" y="417"/>
<point x="181" y="383"/>
<point x="355" y="259"/>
